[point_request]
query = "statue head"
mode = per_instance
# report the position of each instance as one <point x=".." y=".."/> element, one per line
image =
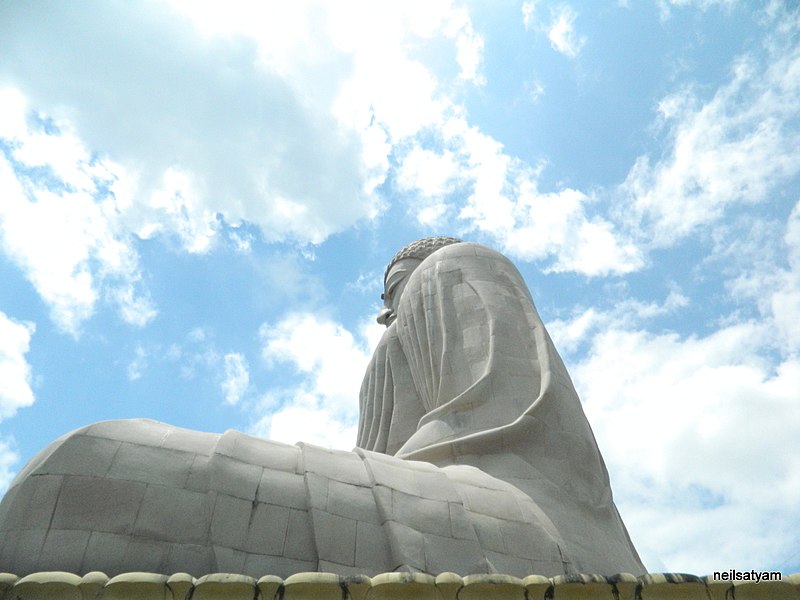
<point x="400" y="268"/>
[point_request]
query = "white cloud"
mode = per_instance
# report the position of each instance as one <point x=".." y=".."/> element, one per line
<point x="15" y="372"/>
<point x="353" y="101"/>
<point x="305" y="420"/>
<point x="196" y="335"/>
<point x="665" y="6"/>
<point x="496" y="194"/>
<point x="503" y="201"/>
<point x="696" y="3"/>
<point x="529" y="14"/>
<point x="569" y="334"/>
<point x="469" y="47"/>
<point x="431" y="177"/>
<point x="175" y="206"/>
<point x="785" y="298"/>
<point x="427" y="172"/>
<point x="433" y="215"/>
<point x="252" y="143"/>
<point x="237" y="377"/>
<point x="8" y="458"/>
<point x="777" y="290"/>
<point x="137" y="365"/>
<point x="764" y="272"/>
<point x="735" y="148"/>
<point x="198" y="357"/>
<point x="320" y="348"/>
<point x="242" y="242"/>
<point x="287" y="132"/>
<point x="13" y="115"/>
<point x="323" y="408"/>
<point x="302" y="106"/>
<point x="535" y="91"/>
<point x="60" y="227"/>
<point x="133" y="304"/>
<point x="697" y="431"/>
<point x="560" y="29"/>
<point x="385" y="95"/>
<point x="561" y="32"/>
<point x="698" y="435"/>
<point x="580" y="329"/>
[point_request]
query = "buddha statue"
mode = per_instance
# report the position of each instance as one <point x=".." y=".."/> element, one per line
<point x="473" y="456"/>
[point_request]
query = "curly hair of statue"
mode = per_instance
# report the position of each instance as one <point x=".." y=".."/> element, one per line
<point x="420" y="249"/>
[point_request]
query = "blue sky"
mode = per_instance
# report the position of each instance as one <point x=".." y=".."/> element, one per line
<point x="197" y="202"/>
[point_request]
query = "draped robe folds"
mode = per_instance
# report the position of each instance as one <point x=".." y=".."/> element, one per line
<point x="473" y="455"/>
<point x="494" y="394"/>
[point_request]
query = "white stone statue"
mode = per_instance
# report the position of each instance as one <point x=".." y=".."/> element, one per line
<point x="474" y="456"/>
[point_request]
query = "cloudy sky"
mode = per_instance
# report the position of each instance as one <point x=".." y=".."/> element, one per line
<point x="197" y="202"/>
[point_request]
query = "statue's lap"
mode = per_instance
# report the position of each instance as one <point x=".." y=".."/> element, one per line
<point x="140" y="495"/>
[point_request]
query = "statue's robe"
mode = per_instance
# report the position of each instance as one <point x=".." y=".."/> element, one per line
<point x="474" y="456"/>
<point x="468" y="375"/>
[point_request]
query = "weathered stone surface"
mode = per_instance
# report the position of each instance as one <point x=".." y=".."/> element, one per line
<point x="106" y="552"/>
<point x="20" y="551"/>
<point x="150" y="554"/>
<point x="506" y="563"/>
<point x="372" y="547"/>
<point x="33" y="502"/>
<point x="60" y="543"/>
<point x="474" y="456"/>
<point x="173" y="513"/>
<point x="230" y="521"/>
<point x="352" y="501"/>
<point x="237" y="478"/>
<point x="282" y="489"/>
<point x="82" y="455"/>
<point x="407" y="546"/>
<point x="299" y="543"/>
<point x="267" y="530"/>
<point x="337" y="466"/>
<point x="489" y="532"/>
<point x="444" y="554"/>
<point x="192" y="558"/>
<point x="142" y="431"/>
<point x="428" y="516"/>
<point x="134" y="462"/>
<point x="335" y="537"/>
<point x="98" y="504"/>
